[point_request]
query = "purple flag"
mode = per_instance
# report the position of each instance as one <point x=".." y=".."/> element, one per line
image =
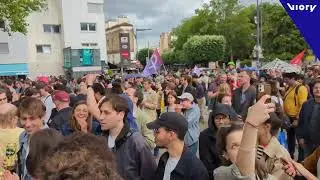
<point x="306" y="15"/>
<point x="154" y="64"/>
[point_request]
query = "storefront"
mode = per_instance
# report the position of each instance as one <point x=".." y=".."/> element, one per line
<point x="19" y="69"/>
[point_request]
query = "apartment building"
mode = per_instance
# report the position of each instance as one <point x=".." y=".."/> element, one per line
<point x="114" y="28"/>
<point x="68" y="36"/>
<point x="165" y="41"/>
<point x="13" y="53"/>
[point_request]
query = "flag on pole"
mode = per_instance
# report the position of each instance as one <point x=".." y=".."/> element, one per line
<point x="196" y="71"/>
<point x="154" y="64"/>
<point x="298" y="59"/>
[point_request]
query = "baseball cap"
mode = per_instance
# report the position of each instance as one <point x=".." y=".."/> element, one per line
<point x="61" y="96"/>
<point x="231" y="63"/>
<point x="171" y="120"/>
<point x="186" y="96"/>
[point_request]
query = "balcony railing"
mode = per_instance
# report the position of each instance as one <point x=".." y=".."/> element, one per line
<point x="81" y="57"/>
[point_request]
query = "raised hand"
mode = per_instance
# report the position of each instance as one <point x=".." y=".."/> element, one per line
<point x="259" y="112"/>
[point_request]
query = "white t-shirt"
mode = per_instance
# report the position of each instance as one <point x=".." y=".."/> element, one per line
<point x="171" y="164"/>
<point x="111" y="142"/>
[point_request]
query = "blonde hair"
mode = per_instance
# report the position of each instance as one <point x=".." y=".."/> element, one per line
<point x="224" y="88"/>
<point x="7" y="119"/>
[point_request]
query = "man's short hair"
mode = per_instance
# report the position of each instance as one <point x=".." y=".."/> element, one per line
<point x="9" y="82"/>
<point x="316" y="81"/>
<point x="119" y="104"/>
<point x="31" y="91"/>
<point x="80" y="156"/>
<point x="32" y="107"/>
<point x="147" y="80"/>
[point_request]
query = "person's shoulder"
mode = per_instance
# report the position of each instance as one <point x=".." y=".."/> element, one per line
<point x="136" y="140"/>
<point x="302" y="88"/>
<point x="206" y="133"/>
<point x="18" y="130"/>
<point x="22" y="136"/>
<point x="309" y="101"/>
<point x="223" y="171"/>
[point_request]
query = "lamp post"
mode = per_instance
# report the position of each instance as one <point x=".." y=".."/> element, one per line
<point x="136" y="36"/>
<point x="257" y="52"/>
<point x="258" y="31"/>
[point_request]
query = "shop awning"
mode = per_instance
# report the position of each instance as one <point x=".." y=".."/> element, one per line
<point x="13" y="69"/>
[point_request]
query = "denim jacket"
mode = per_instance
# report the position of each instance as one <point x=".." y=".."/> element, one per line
<point x="24" y="141"/>
<point x="193" y="117"/>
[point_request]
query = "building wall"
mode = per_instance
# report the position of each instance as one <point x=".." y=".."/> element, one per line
<point x="113" y="43"/>
<point x="45" y="63"/>
<point x="165" y="40"/>
<point x="18" y="48"/>
<point x="114" y="58"/>
<point x="72" y="17"/>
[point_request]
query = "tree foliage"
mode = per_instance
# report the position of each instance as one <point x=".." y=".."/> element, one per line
<point x="143" y="54"/>
<point x="15" y="12"/>
<point x="203" y="49"/>
<point x="174" y="57"/>
<point x="280" y="37"/>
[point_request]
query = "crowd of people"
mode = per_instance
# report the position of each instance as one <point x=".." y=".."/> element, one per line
<point x="218" y="124"/>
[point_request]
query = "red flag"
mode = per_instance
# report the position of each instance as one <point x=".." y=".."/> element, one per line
<point x="298" y="59"/>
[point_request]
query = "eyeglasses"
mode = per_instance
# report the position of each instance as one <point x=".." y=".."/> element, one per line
<point x="157" y="130"/>
<point x="3" y="99"/>
<point x="221" y="118"/>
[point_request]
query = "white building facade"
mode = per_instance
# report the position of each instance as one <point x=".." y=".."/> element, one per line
<point x="61" y="37"/>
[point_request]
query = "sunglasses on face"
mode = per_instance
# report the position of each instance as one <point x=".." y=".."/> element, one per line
<point x="3" y="99"/>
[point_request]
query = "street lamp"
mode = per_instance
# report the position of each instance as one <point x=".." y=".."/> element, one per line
<point x="136" y="36"/>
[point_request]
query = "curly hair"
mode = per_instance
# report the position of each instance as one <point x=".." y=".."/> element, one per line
<point x="40" y="147"/>
<point x="80" y="156"/>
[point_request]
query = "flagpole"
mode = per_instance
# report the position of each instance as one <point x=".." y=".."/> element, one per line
<point x="164" y="68"/>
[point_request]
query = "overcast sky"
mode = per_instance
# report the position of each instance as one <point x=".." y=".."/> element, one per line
<point x="159" y="15"/>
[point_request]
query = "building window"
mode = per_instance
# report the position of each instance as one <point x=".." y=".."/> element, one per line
<point x="88" y="27"/>
<point x="95" y="8"/>
<point x="2" y="24"/>
<point x="50" y="28"/>
<point x="87" y="45"/>
<point x="46" y="49"/>
<point x="4" y="48"/>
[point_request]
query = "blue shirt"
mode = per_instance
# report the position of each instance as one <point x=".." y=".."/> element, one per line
<point x="193" y="117"/>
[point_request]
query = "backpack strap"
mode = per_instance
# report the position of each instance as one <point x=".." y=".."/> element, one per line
<point x="296" y="92"/>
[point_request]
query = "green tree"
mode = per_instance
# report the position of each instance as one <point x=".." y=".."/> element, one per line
<point x="220" y="17"/>
<point x="203" y="49"/>
<point x="174" y="57"/>
<point x="143" y="54"/>
<point x="281" y="38"/>
<point x="15" y="12"/>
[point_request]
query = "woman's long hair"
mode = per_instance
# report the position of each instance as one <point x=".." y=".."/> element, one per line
<point x="261" y="170"/>
<point x="74" y="123"/>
